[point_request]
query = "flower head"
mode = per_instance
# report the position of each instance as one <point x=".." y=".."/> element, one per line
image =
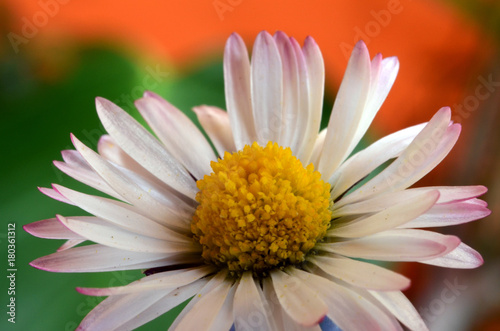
<point x="265" y="232"/>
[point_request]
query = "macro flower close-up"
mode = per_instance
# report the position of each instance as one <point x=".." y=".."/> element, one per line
<point x="260" y="218"/>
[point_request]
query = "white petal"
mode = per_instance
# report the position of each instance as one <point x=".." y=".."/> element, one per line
<point x="202" y="310"/>
<point x="168" y="196"/>
<point x="110" y="150"/>
<point x="116" y="310"/>
<point x="249" y="311"/>
<point x="51" y="193"/>
<point x="401" y="307"/>
<point x="426" y="151"/>
<point x="395" y="245"/>
<point x="120" y="214"/>
<point x="76" y="167"/>
<point x="98" y="258"/>
<point x="267" y="89"/>
<point x="318" y="148"/>
<point x="301" y="303"/>
<point x="50" y="229"/>
<point x="315" y="87"/>
<point x="386" y="219"/>
<point x="107" y="234"/>
<point x="275" y="312"/>
<point x="178" y="133"/>
<point x="144" y="148"/>
<point x="462" y="257"/>
<point x="456" y="193"/>
<point x="347" y="111"/>
<point x="225" y="318"/>
<point x="383" y="75"/>
<point x="305" y="124"/>
<point x="215" y="121"/>
<point x="348" y="309"/>
<point x="450" y="214"/>
<point x="292" y="128"/>
<point x="238" y="91"/>
<point x="364" y="162"/>
<point x="361" y="274"/>
<point x="176" y="202"/>
<point x="171" y="300"/>
<point x="129" y="190"/>
<point x="378" y="202"/>
<point x="159" y="281"/>
<point x="383" y="83"/>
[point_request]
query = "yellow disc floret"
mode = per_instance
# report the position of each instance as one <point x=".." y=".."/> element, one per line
<point x="260" y="209"/>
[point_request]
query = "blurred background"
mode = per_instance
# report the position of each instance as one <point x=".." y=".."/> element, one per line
<point x="56" y="56"/>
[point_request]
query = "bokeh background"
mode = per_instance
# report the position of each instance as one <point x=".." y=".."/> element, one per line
<point x="56" y="56"/>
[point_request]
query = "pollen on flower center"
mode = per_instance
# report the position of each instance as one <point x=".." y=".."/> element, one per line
<point x="260" y="209"/>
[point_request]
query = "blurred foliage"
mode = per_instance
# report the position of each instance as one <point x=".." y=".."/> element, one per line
<point x="484" y="12"/>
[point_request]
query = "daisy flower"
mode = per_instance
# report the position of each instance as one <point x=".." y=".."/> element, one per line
<point x="275" y="226"/>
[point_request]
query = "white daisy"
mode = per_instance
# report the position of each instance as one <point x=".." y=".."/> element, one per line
<point x="270" y="230"/>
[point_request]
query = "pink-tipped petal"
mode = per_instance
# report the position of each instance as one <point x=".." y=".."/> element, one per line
<point x="315" y="87"/>
<point x="395" y="245"/>
<point x="367" y="160"/>
<point x="378" y="202"/>
<point x="137" y="142"/>
<point x="302" y="304"/>
<point x="176" y="131"/>
<point x="397" y="303"/>
<point x="238" y="91"/>
<point x="347" y="111"/>
<point x="121" y="215"/>
<point x="110" y="235"/>
<point x="131" y="192"/>
<point x="267" y="89"/>
<point x="110" y="150"/>
<point x="389" y="218"/>
<point x="99" y="258"/>
<point x="383" y="75"/>
<point x="355" y="273"/>
<point x="215" y="121"/>
<point x="462" y="257"/>
<point x="449" y="194"/>
<point x="450" y="214"/>
<point x="305" y="125"/>
<point x="426" y="151"/>
<point x="87" y="177"/>
<point x="291" y="95"/>
<point x="50" y="229"/>
<point x="54" y="194"/>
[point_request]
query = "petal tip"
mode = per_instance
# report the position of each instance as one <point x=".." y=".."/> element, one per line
<point x="310" y="41"/>
<point x="100" y="101"/>
<point x="35" y="265"/>
<point x="27" y="229"/>
<point x="81" y="290"/>
<point x="360" y="45"/>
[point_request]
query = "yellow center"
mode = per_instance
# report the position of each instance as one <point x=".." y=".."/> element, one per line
<point x="260" y="209"/>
